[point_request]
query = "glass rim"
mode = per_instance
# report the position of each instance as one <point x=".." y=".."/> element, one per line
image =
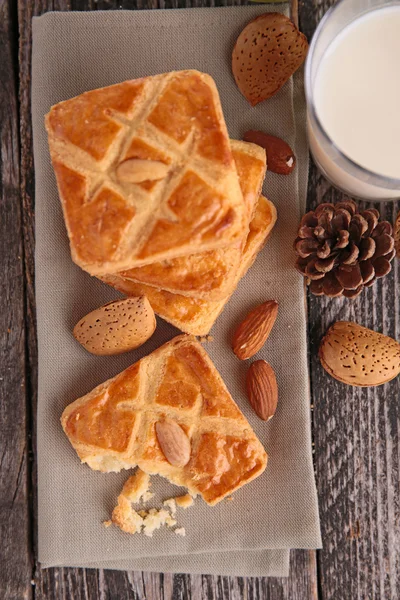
<point x="373" y="177"/>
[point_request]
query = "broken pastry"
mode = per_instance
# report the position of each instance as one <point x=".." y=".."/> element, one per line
<point x="125" y="517"/>
<point x="135" y="489"/>
<point x="114" y="426"/>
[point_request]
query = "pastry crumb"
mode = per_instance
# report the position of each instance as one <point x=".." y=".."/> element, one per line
<point x="184" y="501"/>
<point x="206" y="338"/>
<point x="125" y="517"/>
<point x="107" y="523"/>
<point x="143" y="521"/>
<point x="171" y="504"/>
<point x="180" y="531"/>
<point x="147" y="496"/>
<point x="229" y="498"/>
<point x="154" y="519"/>
<point x="170" y="521"/>
<point x="136" y="486"/>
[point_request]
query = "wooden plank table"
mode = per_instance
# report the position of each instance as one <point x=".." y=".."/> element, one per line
<point x="355" y="431"/>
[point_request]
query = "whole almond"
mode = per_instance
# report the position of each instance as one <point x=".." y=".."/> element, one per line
<point x="262" y="389"/>
<point x="116" y="327"/>
<point x="359" y="356"/>
<point x="280" y="156"/>
<point x="251" y="335"/>
<point x="136" y="170"/>
<point x="174" y="442"/>
<point x="267" y="52"/>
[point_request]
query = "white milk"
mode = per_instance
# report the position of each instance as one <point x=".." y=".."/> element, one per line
<point x="357" y="100"/>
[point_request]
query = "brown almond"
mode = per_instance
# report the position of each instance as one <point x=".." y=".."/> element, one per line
<point x="262" y="389"/>
<point x="136" y="170"/>
<point x="267" y="52"/>
<point x="396" y="235"/>
<point x="251" y="335"/>
<point x="280" y="156"/>
<point x="359" y="356"/>
<point x="174" y="442"/>
<point x="116" y="327"/>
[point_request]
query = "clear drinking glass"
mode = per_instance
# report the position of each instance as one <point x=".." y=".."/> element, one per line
<point x="338" y="168"/>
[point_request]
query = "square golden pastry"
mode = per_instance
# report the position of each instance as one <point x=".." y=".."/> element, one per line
<point x="145" y="172"/>
<point x="114" y="426"/>
<point x="197" y="315"/>
<point x="209" y="275"/>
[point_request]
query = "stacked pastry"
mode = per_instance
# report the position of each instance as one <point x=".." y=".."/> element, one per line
<point x="157" y="200"/>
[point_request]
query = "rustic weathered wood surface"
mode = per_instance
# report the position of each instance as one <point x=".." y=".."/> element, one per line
<point x="355" y="431"/>
<point x="15" y="510"/>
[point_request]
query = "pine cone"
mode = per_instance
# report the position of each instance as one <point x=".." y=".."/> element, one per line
<point x="396" y="235"/>
<point x="340" y="251"/>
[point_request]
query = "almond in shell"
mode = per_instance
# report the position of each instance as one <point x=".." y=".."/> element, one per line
<point x="116" y="327"/>
<point x="267" y="52"/>
<point x="359" y="356"/>
<point x="262" y="389"/>
<point x="251" y="335"/>
<point x="173" y="441"/>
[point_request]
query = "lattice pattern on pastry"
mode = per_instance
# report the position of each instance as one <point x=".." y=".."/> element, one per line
<point x="197" y="315"/>
<point x="175" y="118"/>
<point x="209" y="275"/>
<point x="178" y="381"/>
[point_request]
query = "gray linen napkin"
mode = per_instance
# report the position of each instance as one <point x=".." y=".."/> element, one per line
<point x="251" y="535"/>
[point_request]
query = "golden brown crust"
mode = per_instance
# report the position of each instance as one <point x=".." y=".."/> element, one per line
<point x="136" y="486"/>
<point x="225" y="452"/>
<point x="196" y="315"/>
<point x="184" y="501"/>
<point x="209" y="275"/>
<point x="175" y="118"/>
<point x="125" y="517"/>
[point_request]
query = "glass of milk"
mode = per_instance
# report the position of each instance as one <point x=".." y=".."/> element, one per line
<point x="352" y="82"/>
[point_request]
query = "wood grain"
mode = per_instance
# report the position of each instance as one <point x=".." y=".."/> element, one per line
<point x="14" y="513"/>
<point x="357" y="461"/>
<point x="355" y="431"/>
<point x="84" y="584"/>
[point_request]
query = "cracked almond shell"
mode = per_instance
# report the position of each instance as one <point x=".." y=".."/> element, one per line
<point x="359" y="356"/>
<point x="267" y="52"/>
<point x="116" y="327"/>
